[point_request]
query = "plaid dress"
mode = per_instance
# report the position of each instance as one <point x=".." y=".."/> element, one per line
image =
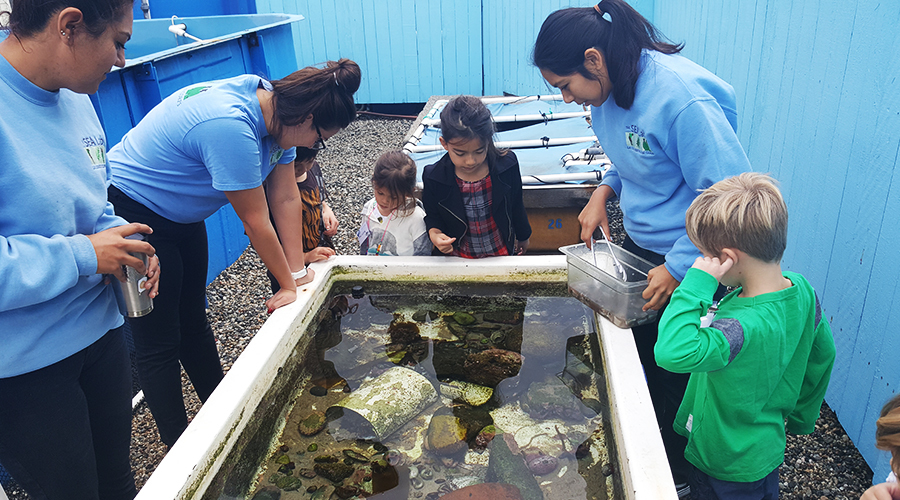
<point x="484" y="238"/>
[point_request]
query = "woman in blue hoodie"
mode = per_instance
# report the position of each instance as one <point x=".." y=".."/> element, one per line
<point x="669" y="127"/>
<point x="65" y="375"/>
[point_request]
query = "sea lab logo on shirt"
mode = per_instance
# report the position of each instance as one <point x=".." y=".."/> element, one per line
<point x="635" y="140"/>
<point x="276" y="154"/>
<point x="95" y="147"/>
<point x="191" y="92"/>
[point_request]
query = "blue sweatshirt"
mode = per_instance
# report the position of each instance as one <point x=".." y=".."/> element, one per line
<point x="195" y="145"/>
<point x="678" y="137"/>
<point x="53" y="179"/>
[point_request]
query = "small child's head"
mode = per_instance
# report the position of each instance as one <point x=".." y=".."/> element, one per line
<point x="887" y="432"/>
<point x="304" y="160"/>
<point x="394" y="182"/>
<point x="745" y="212"/>
<point x="467" y="127"/>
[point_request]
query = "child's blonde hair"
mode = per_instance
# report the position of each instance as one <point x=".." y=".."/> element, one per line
<point x="395" y="172"/>
<point x="745" y="212"/>
<point x="887" y="432"/>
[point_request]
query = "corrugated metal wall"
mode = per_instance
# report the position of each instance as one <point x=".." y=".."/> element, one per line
<point x="817" y="87"/>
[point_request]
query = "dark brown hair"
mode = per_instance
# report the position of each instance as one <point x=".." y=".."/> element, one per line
<point x="466" y="117"/>
<point x="395" y="172"/>
<point x="326" y="93"/>
<point x="567" y="33"/>
<point x="29" y="17"/>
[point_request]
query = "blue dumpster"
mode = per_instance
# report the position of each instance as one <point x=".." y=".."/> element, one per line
<point x="158" y="62"/>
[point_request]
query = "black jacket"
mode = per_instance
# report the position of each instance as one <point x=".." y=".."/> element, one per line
<point x="444" y="208"/>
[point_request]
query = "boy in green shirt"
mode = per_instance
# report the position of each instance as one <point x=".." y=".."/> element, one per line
<point x="759" y="358"/>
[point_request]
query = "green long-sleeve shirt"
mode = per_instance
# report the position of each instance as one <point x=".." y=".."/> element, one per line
<point x="764" y="360"/>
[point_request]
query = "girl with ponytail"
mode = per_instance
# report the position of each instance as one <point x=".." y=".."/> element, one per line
<point x="670" y="128"/>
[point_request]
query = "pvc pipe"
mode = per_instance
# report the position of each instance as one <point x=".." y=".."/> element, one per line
<point x="436" y="122"/>
<point x="597" y="162"/>
<point x="595" y="175"/>
<point x="520" y="99"/>
<point x="526" y="143"/>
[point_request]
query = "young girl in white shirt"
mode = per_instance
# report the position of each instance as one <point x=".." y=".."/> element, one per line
<point x="393" y="223"/>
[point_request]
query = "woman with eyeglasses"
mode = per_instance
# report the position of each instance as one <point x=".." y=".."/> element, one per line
<point x="206" y="145"/>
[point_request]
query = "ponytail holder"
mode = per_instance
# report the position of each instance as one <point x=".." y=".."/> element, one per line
<point x="601" y="12"/>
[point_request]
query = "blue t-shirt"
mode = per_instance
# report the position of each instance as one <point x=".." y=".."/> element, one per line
<point x="678" y="137"/>
<point x="53" y="179"/>
<point x="196" y="144"/>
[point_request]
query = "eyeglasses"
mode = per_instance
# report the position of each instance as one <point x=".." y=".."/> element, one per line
<point x="319" y="145"/>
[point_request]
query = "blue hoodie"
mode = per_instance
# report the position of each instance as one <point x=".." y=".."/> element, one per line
<point x="53" y="179"/>
<point x="678" y="137"/>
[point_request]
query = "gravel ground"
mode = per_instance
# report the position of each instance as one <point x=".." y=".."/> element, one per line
<point x="823" y="465"/>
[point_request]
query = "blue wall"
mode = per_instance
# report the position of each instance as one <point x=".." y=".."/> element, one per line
<point x="408" y="50"/>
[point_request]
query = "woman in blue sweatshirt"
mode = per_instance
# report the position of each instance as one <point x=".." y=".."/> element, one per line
<point x="669" y="127"/>
<point x="65" y="375"/>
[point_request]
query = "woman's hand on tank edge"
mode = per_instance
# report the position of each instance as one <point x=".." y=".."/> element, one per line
<point x="310" y="275"/>
<point x="282" y="298"/>
<point x="114" y="251"/>
<point x="883" y="491"/>
<point x="317" y="254"/>
<point x="594" y="214"/>
<point x="660" y="286"/>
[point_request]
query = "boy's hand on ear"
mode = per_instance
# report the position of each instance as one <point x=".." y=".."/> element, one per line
<point x="713" y="266"/>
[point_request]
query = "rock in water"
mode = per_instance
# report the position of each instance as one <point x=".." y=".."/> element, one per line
<point x="446" y="436"/>
<point x="267" y="493"/>
<point x="505" y="467"/>
<point x="485" y="491"/>
<point x="491" y="366"/>
<point x="312" y="424"/>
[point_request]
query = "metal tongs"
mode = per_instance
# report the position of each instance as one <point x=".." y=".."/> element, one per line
<point x="618" y="265"/>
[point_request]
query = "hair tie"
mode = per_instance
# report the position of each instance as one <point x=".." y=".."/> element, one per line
<point x="602" y="12"/>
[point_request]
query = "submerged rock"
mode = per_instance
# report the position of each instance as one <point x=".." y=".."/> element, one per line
<point x="485" y="491"/>
<point x="491" y="366"/>
<point x="267" y="493"/>
<point x="463" y="318"/>
<point x="506" y="467"/>
<point x="312" y="424"/>
<point x="334" y="472"/>
<point x="446" y="436"/>
<point x="550" y="398"/>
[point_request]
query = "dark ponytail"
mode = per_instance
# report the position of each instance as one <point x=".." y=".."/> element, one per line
<point x="29" y="17"/>
<point x="566" y="34"/>
<point x="326" y="93"/>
